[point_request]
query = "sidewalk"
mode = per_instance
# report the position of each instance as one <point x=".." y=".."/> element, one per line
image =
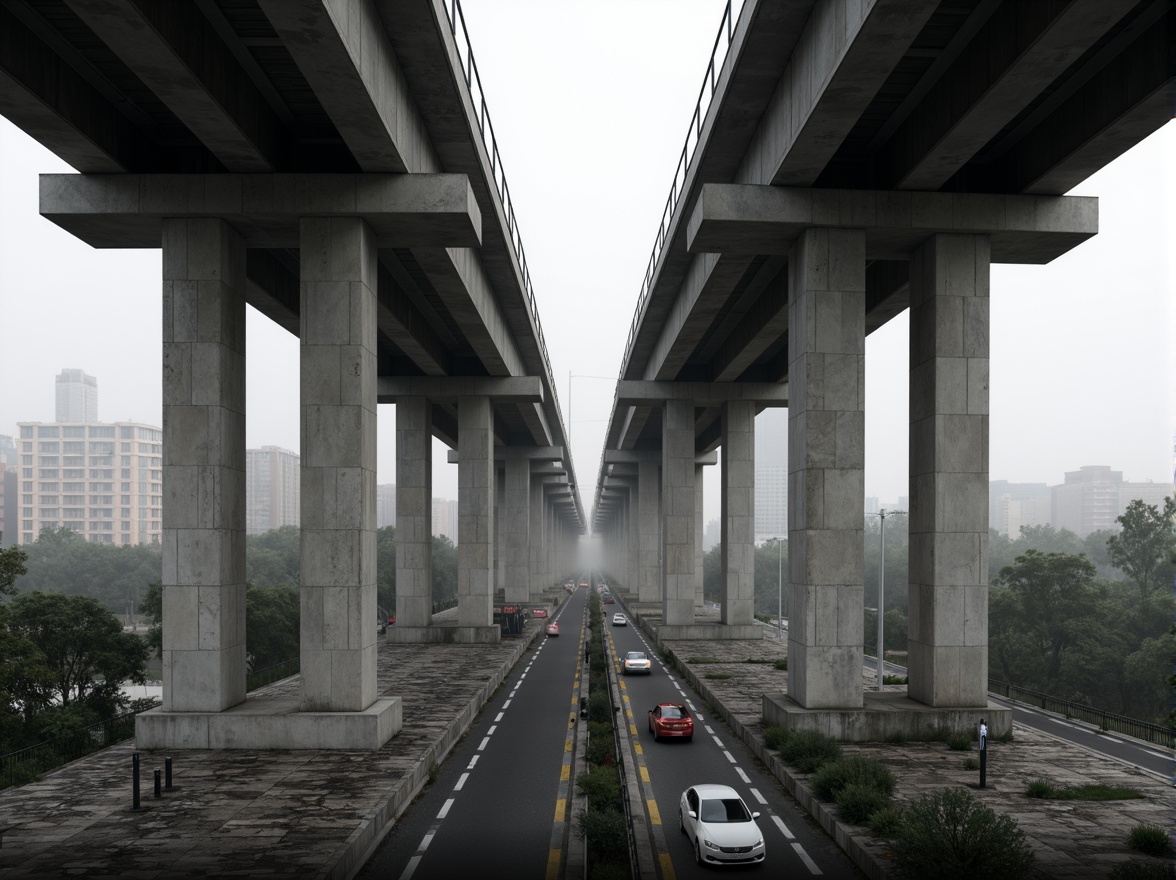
<point x="1072" y="839"/>
<point x="237" y="813"/>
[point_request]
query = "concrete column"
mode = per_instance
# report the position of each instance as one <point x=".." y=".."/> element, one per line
<point x="826" y="465"/>
<point x="678" y="512"/>
<point x="737" y="498"/>
<point x="948" y="591"/>
<point x="499" y="534"/>
<point x="517" y="526"/>
<point x="649" y="530"/>
<point x="203" y="466"/>
<point x="475" y="511"/>
<point x="537" y="541"/>
<point x="699" y="601"/>
<point x="633" y="585"/>
<point x="337" y="333"/>
<point x="414" y="513"/>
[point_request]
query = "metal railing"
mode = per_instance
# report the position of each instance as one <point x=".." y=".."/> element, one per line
<point x="1109" y="721"/>
<point x="25" y="765"/>
<point x="693" y="137"/>
<point x="473" y="81"/>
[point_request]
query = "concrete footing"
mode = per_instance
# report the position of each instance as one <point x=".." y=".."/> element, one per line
<point x="444" y="635"/>
<point x="889" y="715"/>
<point x="271" y="722"/>
<point x="701" y="631"/>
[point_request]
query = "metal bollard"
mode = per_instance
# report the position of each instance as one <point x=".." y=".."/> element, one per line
<point x="158" y="792"/>
<point x="167" y="784"/>
<point x="983" y="753"/>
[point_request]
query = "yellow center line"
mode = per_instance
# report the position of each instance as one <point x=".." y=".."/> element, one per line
<point x="632" y="730"/>
<point x="644" y="773"/>
<point x="561" y="805"/>
<point x="667" y="866"/>
<point x="637" y="748"/>
<point x="654" y="815"/>
<point x="565" y="772"/>
<point x="553" y="859"/>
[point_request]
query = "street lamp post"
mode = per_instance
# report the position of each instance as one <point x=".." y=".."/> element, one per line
<point x="881" y="651"/>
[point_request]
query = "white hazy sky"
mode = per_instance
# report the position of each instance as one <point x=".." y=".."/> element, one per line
<point x="590" y="102"/>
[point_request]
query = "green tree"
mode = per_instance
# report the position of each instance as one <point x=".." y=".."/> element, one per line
<point x="272" y="558"/>
<point x="152" y="606"/>
<point x="84" y="648"/>
<point x="712" y="573"/>
<point x="12" y="566"/>
<point x="767" y="576"/>
<point x="1145" y="549"/>
<point x="386" y="570"/>
<point x="444" y="570"/>
<point x="272" y="616"/>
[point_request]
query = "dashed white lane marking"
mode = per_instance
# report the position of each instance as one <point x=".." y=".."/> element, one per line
<point x="505" y="705"/>
<point x="1111" y="739"/>
<point x="461" y="780"/>
<point x="729" y="756"/>
<point x="718" y="742"/>
<point x="485" y="742"/>
<point x="742" y="775"/>
<point x="473" y="761"/>
<point x="498" y="717"/>
<point x="759" y="797"/>
<point x="445" y="809"/>
<point x="490" y="732"/>
<point x="709" y="730"/>
<point x="783" y="828"/>
<point x="1157" y="754"/>
<point x="804" y="857"/>
<point x="412" y="866"/>
<point x="425" y="843"/>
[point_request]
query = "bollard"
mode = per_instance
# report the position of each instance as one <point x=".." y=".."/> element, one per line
<point x="158" y="792"/>
<point x="983" y="752"/>
<point x="135" y="782"/>
<point x="167" y="785"/>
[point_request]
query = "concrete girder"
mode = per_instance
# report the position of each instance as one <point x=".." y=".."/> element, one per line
<point x="127" y="210"/>
<point x="343" y="51"/>
<point x="530" y="453"/>
<point x="500" y="389"/>
<point x="632" y="426"/>
<point x="1013" y="58"/>
<point x="173" y="49"/>
<point x="769" y="219"/>
<point x="631" y="457"/>
<point x="634" y="392"/>
<point x="759" y="328"/>
<point x="398" y="318"/>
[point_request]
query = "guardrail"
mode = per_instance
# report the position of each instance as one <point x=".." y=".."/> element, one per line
<point x="25" y="765"/>
<point x="693" y="135"/>
<point x="1109" y="721"/>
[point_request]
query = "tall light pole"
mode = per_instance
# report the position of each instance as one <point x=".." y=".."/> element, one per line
<point x="881" y="651"/>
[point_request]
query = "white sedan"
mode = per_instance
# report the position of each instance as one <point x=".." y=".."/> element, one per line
<point x="619" y="620"/>
<point x="636" y="662"/>
<point x="720" y="827"/>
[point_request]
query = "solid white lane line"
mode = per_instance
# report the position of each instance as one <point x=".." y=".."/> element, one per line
<point x="742" y="775"/>
<point x="445" y="809"/>
<point x="461" y="781"/>
<point x="784" y="828"/>
<point x="759" y="797"/>
<point x="1111" y="739"/>
<point x="804" y="857"/>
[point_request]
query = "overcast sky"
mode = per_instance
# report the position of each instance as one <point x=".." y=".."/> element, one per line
<point x="590" y="102"/>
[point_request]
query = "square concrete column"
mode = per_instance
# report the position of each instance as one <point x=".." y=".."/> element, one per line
<point x="337" y="332"/>
<point x="414" y="512"/>
<point x="948" y="591"/>
<point x="517" y="527"/>
<point x="633" y="506"/>
<point x="475" y="512"/>
<point x="699" y="535"/>
<point x="537" y="540"/>
<point x="678" y="512"/>
<point x="649" y="532"/>
<point x="737" y="501"/>
<point x="826" y="466"/>
<point x="203" y="466"/>
<point x="499" y="534"/>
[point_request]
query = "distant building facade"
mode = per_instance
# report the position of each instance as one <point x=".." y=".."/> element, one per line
<point x="1094" y="497"/>
<point x="103" y="481"/>
<point x="445" y="518"/>
<point x="771" y="501"/>
<point x="9" y="513"/>
<point x="76" y="397"/>
<point x="1013" y="505"/>
<point x="385" y="505"/>
<point x="272" y="489"/>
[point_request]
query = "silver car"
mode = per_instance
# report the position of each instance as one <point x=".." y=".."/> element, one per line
<point x="720" y="827"/>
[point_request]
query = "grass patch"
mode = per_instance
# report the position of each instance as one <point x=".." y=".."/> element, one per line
<point x="959" y="742"/>
<point x="1150" y="840"/>
<point x="782" y="663"/>
<point x="1039" y="788"/>
<point x="1137" y="870"/>
<point x="971" y="764"/>
<point x="808" y="751"/>
<point x="895" y="679"/>
<point x="774" y="737"/>
<point x="856" y="770"/>
<point x="767" y="661"/>
<point x="700" y="661"/>
<point x="717" y="676"/>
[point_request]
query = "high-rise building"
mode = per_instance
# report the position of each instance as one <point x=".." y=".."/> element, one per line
<point x="1013" y="505"/>
<point x="77" y="397"/>
<point x="445" y="518"/>
<point x="8" y="505"/>
<point x="103" y="481"/>
<point x="385" y="505"/>
<point x="1094" y="497"/>
<point x="272" y="489"/>
<point x="771" y="501"/>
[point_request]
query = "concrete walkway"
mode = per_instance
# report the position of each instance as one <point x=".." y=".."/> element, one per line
<point x="249" y="814"/>
<point x="1072" y="839"/>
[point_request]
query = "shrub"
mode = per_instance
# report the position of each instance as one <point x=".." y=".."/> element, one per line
<point x="857" y="802"/>
<point x="774" y="737"/>
<point x="610" y="870"/>
<point x="808" y="750"/>
<point x="1039" y="788"/>
<point x="605" y="831"/>
<point x="601" y="743"/>
<point x="602" y="787"/>
<point x="828" y="781"/>
<point x="895" y="679"/>
<point x="886" y="821"/>
<point x="959" y="742"/>
<point x="782" y="663"/>
<point x="1149" y="839"/>
<point x="600" y="708"/>
<point x="952" y="835"/>
<point x="1136" y="870"/>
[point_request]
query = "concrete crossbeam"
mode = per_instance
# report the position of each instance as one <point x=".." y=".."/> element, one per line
<point x="632" y="456"/>
<point x="948" y="589"/>
<point x="742" y="218"/>
<point x="499" y="389"/>
<point x="637" y="392"/>
<point x="127" y="210"/>
<point x="203" y="466"/>
<point x="826" y="468"/>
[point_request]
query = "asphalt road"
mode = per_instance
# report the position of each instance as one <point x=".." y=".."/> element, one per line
<point x="795" y="846"/>
<point x="497" y="807"/>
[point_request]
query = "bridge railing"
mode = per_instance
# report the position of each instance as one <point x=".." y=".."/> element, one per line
<point x="465" y="52"/>
<point x="693" y="136"/>
<point x="1108" y="721"/>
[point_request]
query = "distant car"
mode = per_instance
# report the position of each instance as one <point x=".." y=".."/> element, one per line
<point x="583" y="583"/>
<point x="553" y="628"/>
<point x="619" y="620"/>
<point x="672" y="720"/>
<point x="636" y="662"/>
<point x="538" y="612"/>
<point x="719" y="825"/>
<point x="608" y="599"/>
